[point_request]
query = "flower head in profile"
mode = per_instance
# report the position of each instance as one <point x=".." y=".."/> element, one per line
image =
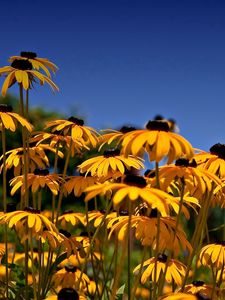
<point x="78" y="184"/>
<point x="30" y="218"/>
<point x="110" y="165"/>
<point x="71" y="218"/>
<point x="175" y="270"/>
<point x="147" y="228"/>
<point x="134" y="188"/>
<point x="213" y="161"/>
<point x="185" y="296"/>
<point x="197" y="182"/>
<point x="37" y="158"/>
<point x="36" y="62"/>
<point x="21" y="71"/>
<point x="70" y="277"/>
<point x="75" y="128"/>
<point x="213" y="255"/>
<point x="158" y="142"/>
<point x="199" y="286"/>
<point x="9" y="119"/>
<point x="114" y="136"/>
<point x="37" y="180"/>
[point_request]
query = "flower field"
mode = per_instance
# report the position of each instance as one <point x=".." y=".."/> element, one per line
<point x="83" y="216"/>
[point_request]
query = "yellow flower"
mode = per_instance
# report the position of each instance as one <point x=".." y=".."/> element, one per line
<point x="110" y="164"/>
<point x="142" y="293"/>
<point x="197" y="182"/>
<point x="72" y="218"/>
<point x="114" y="136"/>
<point x="67" y="294"/>
<point x="69" y="277"/>
<point x="76" y="129"/>
<point x="70" y="244"/>
<point x="99" y="215"/>
<point x="158" y="142"/>
<point x="37" y="158"/>
<point x="135" y="188"/>
<point x="213" y="255"/>
<point x="214" y="161"/>
<point x="199" y="286"/>
<point x="37" y="62"/>
<point x="39" y="179"/>
<point x="58" y="140"/>
<point x="21" y="71"/>
<point x="146" y="230"/>
<point x="30" y="217"/>
<point x="77" y="184"/>
<point x="175" y="271"/>
<point x="184" y="296"/>
<point x="9" y="119"/>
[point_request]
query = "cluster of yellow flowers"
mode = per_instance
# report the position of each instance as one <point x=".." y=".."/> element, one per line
<point x="47" y="254"/>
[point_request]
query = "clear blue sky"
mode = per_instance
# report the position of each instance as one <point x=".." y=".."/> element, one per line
<point x="126" y="61"/>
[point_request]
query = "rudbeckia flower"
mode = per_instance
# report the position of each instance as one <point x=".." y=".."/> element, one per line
<point x="70" y="244"/>
<point x="77" y="184"/>
<point x="198" y="286"/>
<point x="135" y="188"/>
<point x="213" y="255"/>
<point x="175" y="270"/>
<point x="158" y="142"/>
<point x="99" y="215"/>
<point x="146" y="230"/>
<point x="39" y="179"/>
<point x="110" y="164"/>
<point x="185" y="296"/>
<point x="69" y="277"/>
<point x="37" y="158"/>
<point x="75" y="128"/>
<point x="21" y="71"/>
<point x="30" y="217"/>
<point x="71" y="218"/>
<point x="67" y="294"/>
<point x="58" y="140"/>
<point x="214" y="161"/>
<point x="9" y="119"/>
<point x="197" y="182"/>
<point x="36" y="62"/>
<point x="114" y="136"/>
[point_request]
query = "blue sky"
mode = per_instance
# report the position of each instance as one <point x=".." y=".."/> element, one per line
<point x="123" y="62"/>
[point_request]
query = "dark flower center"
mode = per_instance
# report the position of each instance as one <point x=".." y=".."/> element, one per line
<point x="158" y="118"/>
<point x="183" y="162"/>
<point x="201" y="296"/>
<point x="135" y="180"/>
<point x="41" y="172"/>
<point x="32" y="210"/>
<point x="28" y="54"/>
<point x="111" y="153"/>
<point x="162" y="258"/>
<point x="149" y="173"/>
<point x="123" y="212"/>
<point x="153" y="213"/>
<point x="76" y="121"/>
<point x="85" y="234"/>
<point x="11" y="207"/>
<point x="198" y="283"/>
<point x="222" y="243"/>
<point x="219" y="150"/>
<point x="67" y="294"/>
<point x="5" y="108"/>
<point x="64" y="232"/>
<point x="21" y="64"/>
<point x="69" y="211"/>
<point x="126" y="129"/>
<point x="157" y="125"/>
<point x="71" y="268"/>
